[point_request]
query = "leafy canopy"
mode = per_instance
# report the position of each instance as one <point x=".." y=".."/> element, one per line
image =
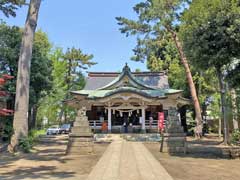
<point x="41" y="66"/>
<point x="211" y="34"/>
<point x="9" y="7"/>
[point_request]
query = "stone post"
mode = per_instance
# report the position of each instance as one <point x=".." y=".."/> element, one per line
<point x="81" y="137"/>
<point x="174" y="136"/>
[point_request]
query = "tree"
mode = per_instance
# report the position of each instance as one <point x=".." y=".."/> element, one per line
<point x="8" y="7"/>
<point x="156" y="18"/>
<point x="67" y="76"/>
<point x="76" y="61"/>
<point x="51" y="105"/>
<point x="41" y="65"/>
<point x="20" y="123"/>
<point x="40" y="76"/>
<point x="211" y="36"/>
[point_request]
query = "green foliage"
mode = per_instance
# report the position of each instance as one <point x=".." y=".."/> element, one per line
<point x="6" y="129"/>
<point x="9" y="7"/>
<point x="10" y="42"/>
<point x="67" y="76"/>
<point x="156" y="20"/>
<point x="41" y="65"/>
<point x="153" y="16"/>
<point x="233" y="75"/>
<point x="235" y="139"/>
<point x="211" y="33"/>
<point x="76" y="60"/>
<point x="27" y="143"/>
<point x="50" y="105"/>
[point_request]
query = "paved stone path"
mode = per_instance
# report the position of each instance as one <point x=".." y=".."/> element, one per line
<point x="124" y="160"/>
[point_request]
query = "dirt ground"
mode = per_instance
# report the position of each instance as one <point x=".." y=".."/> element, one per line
<point x="200" y="163"/>
<point x="49" y="162"/>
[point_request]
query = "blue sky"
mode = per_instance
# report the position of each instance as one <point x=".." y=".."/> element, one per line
<point x="89" y="25"/>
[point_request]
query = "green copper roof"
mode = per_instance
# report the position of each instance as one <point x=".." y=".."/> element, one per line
<point x="126" y="82"/>
<point x="157" y="93"/>
<point x="131" y="81"/>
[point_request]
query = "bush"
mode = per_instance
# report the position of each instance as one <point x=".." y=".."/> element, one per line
<point x="26" y="144"/>
<point x="6" y="129"/>
<point x="235" y="139"/>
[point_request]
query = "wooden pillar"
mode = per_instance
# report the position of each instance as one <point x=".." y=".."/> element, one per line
<point x="109" y="119"/>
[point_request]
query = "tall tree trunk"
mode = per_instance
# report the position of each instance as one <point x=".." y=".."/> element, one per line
<point x="223" y="105"/>
<point x="234" y="109"/>
<point x="20" y="123"/>
<point x="198" y="117"/>
<point x="220" y="121"/>
<point x="33" y="116"/>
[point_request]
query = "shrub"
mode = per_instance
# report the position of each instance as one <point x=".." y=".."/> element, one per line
<point x="235" y="139"/>
<point x="26" y="144"/>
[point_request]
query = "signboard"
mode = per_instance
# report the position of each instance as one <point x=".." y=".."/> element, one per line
<point x="161" y="121"/>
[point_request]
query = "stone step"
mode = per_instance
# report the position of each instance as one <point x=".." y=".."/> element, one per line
<point x="174" y="135"/>
<point x="174" y="144"/>
<point x="174" y="149"/>
<point x="171" y="138"/>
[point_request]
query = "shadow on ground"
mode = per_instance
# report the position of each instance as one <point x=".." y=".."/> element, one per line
<point x="41" y="172"/>
<point x="48" y="161"/>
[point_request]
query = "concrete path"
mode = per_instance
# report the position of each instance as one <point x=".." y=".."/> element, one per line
<point x="124" y="160"/>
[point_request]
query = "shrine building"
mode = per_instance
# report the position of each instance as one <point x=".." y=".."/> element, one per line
<point x="126" y="99"/>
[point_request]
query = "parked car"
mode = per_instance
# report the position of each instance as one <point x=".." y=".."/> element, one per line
<point x="53" y="130"/>
<point x="65" y="129"/>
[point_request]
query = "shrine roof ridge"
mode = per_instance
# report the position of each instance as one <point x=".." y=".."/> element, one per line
<point x="115" y="74"/>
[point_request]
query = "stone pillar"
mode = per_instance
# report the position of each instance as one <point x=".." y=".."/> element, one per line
<point x="81" y="137"/>
<point x="109" y="120"/>
<point x="174" y="140"/>
<point x="143" y="120"/>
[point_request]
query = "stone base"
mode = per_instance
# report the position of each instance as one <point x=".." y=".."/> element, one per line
<point x="174" y="143"/>
<point x="80" y="145"/>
